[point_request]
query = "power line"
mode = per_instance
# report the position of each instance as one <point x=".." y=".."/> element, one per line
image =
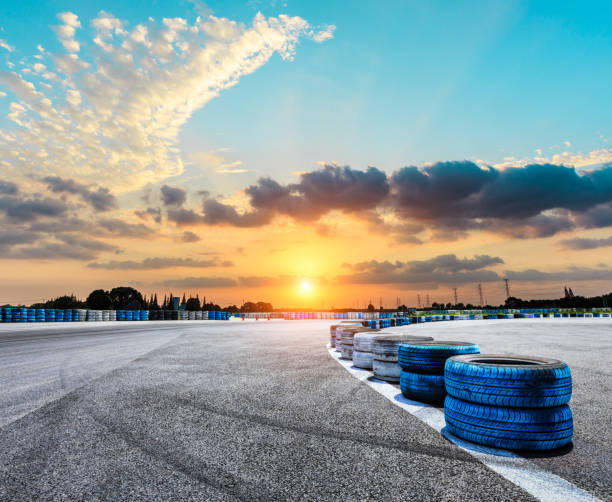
<point x="455" y="292"/>
<point x="480" y="295"/>
<point x="506" y="280"/>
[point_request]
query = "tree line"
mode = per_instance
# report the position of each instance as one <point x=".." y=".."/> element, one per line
<point x="128" y="298"/>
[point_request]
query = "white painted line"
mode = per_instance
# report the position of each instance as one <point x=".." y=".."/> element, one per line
<point x="543" y="485"/>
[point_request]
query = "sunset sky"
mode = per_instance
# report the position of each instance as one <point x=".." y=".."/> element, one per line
<point x="242" y="149"/>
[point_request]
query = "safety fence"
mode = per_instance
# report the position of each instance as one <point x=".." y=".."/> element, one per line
<point x="21" y="314"/>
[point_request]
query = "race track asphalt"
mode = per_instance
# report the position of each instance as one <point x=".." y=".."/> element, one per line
<point x="242" y="411"/>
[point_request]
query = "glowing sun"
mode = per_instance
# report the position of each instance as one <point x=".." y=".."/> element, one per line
<point x="305" y="286"/>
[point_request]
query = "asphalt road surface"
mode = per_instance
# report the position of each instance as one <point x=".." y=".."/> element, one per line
<point x="258" y="411"/>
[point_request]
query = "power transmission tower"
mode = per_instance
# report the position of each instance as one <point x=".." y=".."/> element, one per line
<point x="507" y="287"/>
<point x="480" y="295"/>
<point x="419" y="300"/>
<point x="455" y="292"/>
<point x="427" y="304"/>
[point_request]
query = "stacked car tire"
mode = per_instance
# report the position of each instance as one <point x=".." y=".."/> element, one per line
<point x="422" y="363"/>
<point x="362" y="349"/>
<point x="509" y="402"/>
<point x="384" y="349"/>
<point x="348" y="334"/>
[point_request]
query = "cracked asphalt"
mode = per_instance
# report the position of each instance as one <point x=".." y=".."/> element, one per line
<point x="220" y="411"/>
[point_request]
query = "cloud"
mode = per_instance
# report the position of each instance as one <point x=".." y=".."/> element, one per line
<point x="100" y="199"/>
<point x="64" y="247"/>
<point x="325" y="34"/>
<point x="443" y="269"/>
<point x="5" y="45"/>
<point x="190" y="237"/>
<point x="160" y="263"/>
<point x="200" y="282"/>
<point x="30" y="209"/>
<point x="217" y="213"/>
<point x="8" y="188"/>
<point x="173" y="196"/>
<point x="572" y="274"/>
<point x="113" y="227"/>
<point x="579" y="243"/>
<point x="184" y="217"/>
<point x="320" y="191"/>
<point x="14" y="237"/>
<point x="97" y="117"/>
<point x="150" y="212"/>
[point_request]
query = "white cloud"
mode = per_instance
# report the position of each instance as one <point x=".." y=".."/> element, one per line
<point x="4" y="44"/>
<point x="567" y="143"/>
<point x="117" y="121"/>
<point x="579" y="159"/>
<point x="67" y="31"/>
<point x="325" y="34"/>
<point x="2" y="94"/>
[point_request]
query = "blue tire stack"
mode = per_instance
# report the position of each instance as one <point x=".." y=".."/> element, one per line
<point x="512" y="402"/>
<point x="144" y="315"/>
<point x="59" y="315"/>
<point x="422" y="363"/>
<point x="49" y="315"/>
<point x="31" y="315"/>
<point x="40" y="315"/>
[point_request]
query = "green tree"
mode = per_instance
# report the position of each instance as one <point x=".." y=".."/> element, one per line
<point x="193" y="304"/>
<point x="125" y="297"/>
<point x="99" y="300"/>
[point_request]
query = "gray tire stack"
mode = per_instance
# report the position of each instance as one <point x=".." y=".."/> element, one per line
<point x="106" y="315"/>
<point x="384" y="348"/>
<point x="82" y="315"/>
<point x="348" y="334"/>
<point x="113" y="315"/>
<point x="198" y="315"/>
<point x="191" y="315"/>
<point x="362" y="350"/>
<point x="332" y="335"/>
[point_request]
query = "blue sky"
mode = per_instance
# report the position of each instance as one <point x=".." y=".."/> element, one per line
<point x="400" y="83"/>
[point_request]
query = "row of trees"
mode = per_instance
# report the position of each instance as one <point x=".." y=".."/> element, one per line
<point x="128" y="298"/>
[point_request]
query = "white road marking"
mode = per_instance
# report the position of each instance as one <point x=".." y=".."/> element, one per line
<point x="543" y="485"/>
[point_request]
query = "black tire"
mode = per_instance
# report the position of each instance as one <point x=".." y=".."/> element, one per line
<point x="510" y="428"/>
<point x="430" y="357"/>
<point x="510" y="381"/>
<point x="423" y="387"/>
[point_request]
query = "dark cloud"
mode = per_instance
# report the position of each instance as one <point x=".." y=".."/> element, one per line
<point x="321" y="191"/>
<point x="189" y="237"/>
<point x="100" y="198"/>
<point x="572" y="274"/>
<point x="400" y="233"/>
<point x="597" y="217"/>
<point x="579" y="243"/>
<point x="119" y="228"/>
<point x="24" y="210"/>
<point x="159" y="263"/>
<point x="200" y="282"/>
<point x="150" y="212"/>
<point x="443" y="269"/>
<point x="517" y="195"/>
<point x="217" y="213"/>
<point x="173" y="196"/>
<point x="184" y="217"/>
<point x="8" y="188"/>
<point x="14" y="237"/>
<point x="71" y="248"/>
